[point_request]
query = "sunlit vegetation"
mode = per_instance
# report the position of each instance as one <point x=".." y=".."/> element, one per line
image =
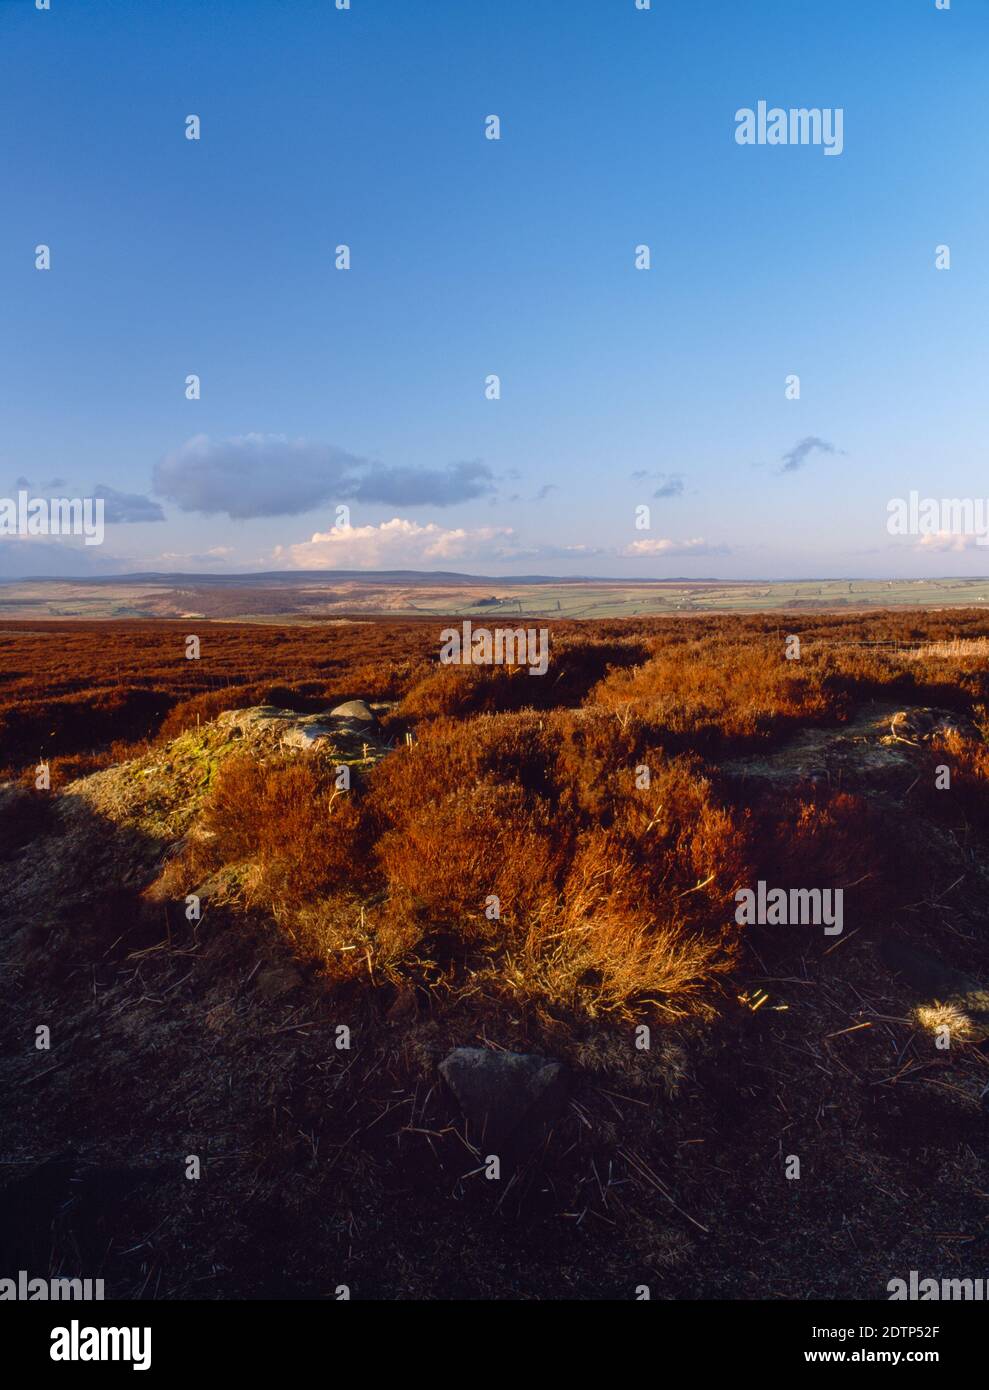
<point x="569" y="840"/>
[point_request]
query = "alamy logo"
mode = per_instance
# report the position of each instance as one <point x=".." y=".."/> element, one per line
<point x="33" y="1290"/>
<point x="75" y="1343"/>
<point x="52" y="516"/>
<point x="919" y="1290"/>
<point x="800" y="907"/>
<point x="939" y="517"/>
<point x="800" y="125"/>
<point x="479" y="646"/>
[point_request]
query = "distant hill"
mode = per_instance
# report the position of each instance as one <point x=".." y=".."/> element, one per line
<point x="316" y="596"/>
<point x="294" y="577"/>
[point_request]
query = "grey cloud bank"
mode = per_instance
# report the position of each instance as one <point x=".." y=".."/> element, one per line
<point x="257" y="475"/>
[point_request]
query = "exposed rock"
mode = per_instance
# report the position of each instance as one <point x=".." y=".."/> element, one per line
<point x="158" y="794"/>
<point x="280" y="724"/>
<point x="857" y="751"/>
<point x="920" y="726"/>
<point x="935" y="981"/>
<point x="357" y="710"/>
<point x="345" y="730"/>
<point x="511" y="1099"/>
<point x="923" y="725"/>
<point x="872" y="751"/>
<point x="308" y="737"/>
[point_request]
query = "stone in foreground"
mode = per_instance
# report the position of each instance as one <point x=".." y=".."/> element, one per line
<point x="308" y="737"/>
<point x="511" y="1099"/>
<point x="357" y="710"/>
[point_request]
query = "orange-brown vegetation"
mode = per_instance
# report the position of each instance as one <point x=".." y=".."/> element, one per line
<point x="300" y="831"/>
<point x="608" y="811"/>
<point x="70" y="688"/>
<point x="572" y="837"/>
<point x="572" y="830"/>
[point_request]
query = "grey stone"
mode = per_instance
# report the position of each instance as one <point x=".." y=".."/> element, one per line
<point x="358" y="710"/>
<point x="511" y="1099"/>
<point x="307" y="736"/>
<point x="935" y="981"/>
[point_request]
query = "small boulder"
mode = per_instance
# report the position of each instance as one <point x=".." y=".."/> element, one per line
<point x="358" y="711"/>
<point x="511" y="1099"/>
<point x="935" y="981"/>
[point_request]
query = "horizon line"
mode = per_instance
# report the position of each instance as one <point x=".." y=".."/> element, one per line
<point x="458" y="576"/>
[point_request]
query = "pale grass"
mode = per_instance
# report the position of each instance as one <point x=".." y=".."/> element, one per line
<point x="964" y="648"/>
<point x="931" y="1017"/>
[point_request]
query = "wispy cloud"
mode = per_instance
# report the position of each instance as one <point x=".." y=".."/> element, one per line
<point x="216" y="555"/>
<point x="796" y="457"/>
<point x="670" y="484"/>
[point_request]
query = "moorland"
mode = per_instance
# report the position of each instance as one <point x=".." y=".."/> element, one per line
<point x="196" y="908"/>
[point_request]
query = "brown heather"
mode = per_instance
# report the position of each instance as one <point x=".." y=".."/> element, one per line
<point x="612" y="898"/>
<point x="323" y="910"/>
<point x="300" y="833"/>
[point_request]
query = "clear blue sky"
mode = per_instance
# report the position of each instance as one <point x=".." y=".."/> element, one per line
<point x="471" y="257"/>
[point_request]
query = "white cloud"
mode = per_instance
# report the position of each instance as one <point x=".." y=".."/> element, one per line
<point x="946" y="540"/>
<point x="404" y="544"/>
<point x="214" y="556"/>
<point x="398" y="544"/>
<point x="651" y="548"/>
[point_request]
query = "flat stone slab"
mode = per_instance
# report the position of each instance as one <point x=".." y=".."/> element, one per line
<point x="352" y="735"/>
<point x="861" y="751"/>
<point x="308" y="736"/>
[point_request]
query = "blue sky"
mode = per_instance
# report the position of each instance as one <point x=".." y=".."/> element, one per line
<point x="515" y="257"/>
